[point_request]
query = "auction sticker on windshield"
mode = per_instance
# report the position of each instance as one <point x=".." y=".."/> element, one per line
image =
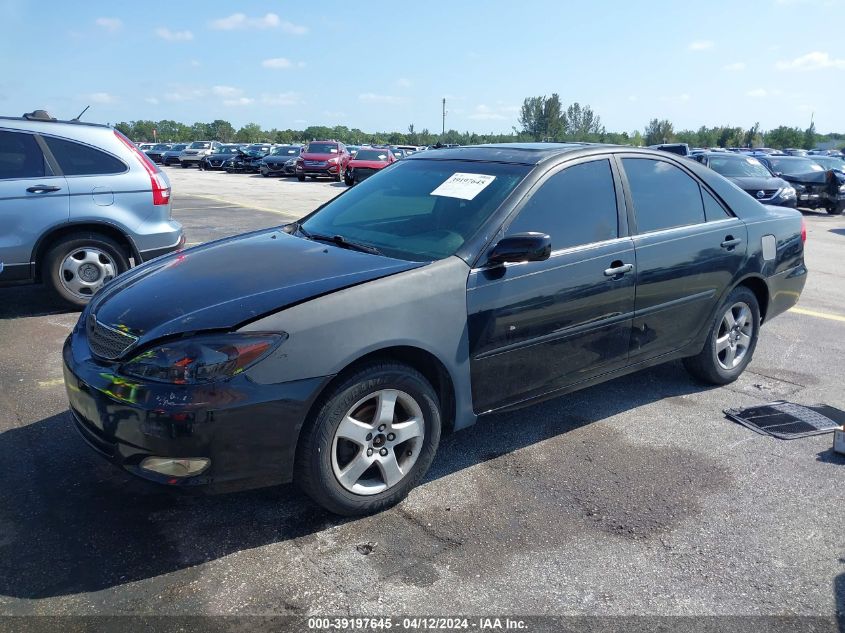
<point x="463" y="186"/>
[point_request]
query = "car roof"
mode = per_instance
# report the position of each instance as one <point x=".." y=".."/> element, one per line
<point x="516" y="153"/>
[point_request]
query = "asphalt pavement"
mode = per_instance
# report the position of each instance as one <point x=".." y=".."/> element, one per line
<point x="633" y="497"/>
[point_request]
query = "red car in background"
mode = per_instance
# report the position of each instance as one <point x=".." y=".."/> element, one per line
<point x="322" y="158"/>
<point x="367" y="161"/>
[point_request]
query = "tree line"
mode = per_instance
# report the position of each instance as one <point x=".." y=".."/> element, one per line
<point x="540" y="118"/>
<point x="545" y="119"/>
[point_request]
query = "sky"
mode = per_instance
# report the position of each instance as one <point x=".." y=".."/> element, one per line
<point x="383" y="65"/>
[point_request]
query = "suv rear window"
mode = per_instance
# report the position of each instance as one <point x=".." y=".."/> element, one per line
<point x="76" y="159"/>
<point x="21" y="157"/>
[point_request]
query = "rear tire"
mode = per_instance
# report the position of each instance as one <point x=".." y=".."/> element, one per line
<point x="300" y="177"/>
<point x="78" y="265"/>
<point x="836" y="209"/>
<point x="185" y="165"/>
<point x="395" y="420"/>
<point x="731" y="340"/>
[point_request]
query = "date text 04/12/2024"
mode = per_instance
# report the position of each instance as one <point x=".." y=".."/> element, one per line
<point x="416" y="624"/>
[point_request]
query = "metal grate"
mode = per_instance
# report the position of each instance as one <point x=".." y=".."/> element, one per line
<point x="786" y="420"/>
<point x="107" y="342"/>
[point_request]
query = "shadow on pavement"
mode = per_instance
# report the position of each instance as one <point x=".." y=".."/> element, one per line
<point x="29" y="301"/>
<point x="70" y="522"/>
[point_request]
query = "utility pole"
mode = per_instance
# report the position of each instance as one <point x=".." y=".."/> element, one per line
<point x="443" y="132"/>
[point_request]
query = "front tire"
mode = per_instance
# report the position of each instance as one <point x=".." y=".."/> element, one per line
<point x="80" y="264"/>
<point x="372" y="440"/>
<point x="300" y="177"/>
<point x="836" y="209"/>
<point x="731" y="340"/>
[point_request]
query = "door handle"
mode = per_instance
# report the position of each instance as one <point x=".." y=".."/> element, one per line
<point x="731" y="242"/>
<point x="618" y="269"/>
<point x="42" y="189"/>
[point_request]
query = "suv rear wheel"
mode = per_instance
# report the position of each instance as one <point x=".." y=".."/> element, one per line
<point x="79" y="264"/>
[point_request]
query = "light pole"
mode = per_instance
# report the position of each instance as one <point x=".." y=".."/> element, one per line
<point x="443" y="131"/>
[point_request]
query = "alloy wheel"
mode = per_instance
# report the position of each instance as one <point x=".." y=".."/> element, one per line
<point x="734" y="336"/>
<point x="377" y="442"/>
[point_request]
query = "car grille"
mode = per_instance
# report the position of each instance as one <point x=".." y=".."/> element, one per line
<point x="766" y="193"/>
<point x="364" y="172"/>
<point x="107" y="342"/>
<point x="315" y="163"/>
<point x="215" y="163"/>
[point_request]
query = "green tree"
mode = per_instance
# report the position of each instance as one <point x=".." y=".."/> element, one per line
<point x="659" y="131"/>
<point x="553" y="118"/>
<point x="809" y="137"/>
<point x="222" y="131"/>
<point x="782" y="137"/>
<point x="249" y="133"/>
<point x="531" y="119"/>
<point x="581" y="123"/>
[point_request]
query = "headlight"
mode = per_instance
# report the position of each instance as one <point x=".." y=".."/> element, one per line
<point x="841" y="188"/>
<point x="800" y="188"/>
<point x="202" y="359"/>
<point x="290" y="163"/>
<point x="332" y="161"/>
<point x="787" y="192"/>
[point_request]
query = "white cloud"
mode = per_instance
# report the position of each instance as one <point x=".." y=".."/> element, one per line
<point x="240" y="101"/>
<point x="226" y="91"/>
<point x="483" y="112"/>
<point x="151" y="100"/>
<point x="102" y="98"/>
<point x="369" y="97"/>
<point x="112" y="25"/>
<point x="195" y="63"/>
<point x="174" y="36"/>
<point x="757" y="92"/>
<point x="185" y="94"/>
<point x="240" y="21"/>
<point x="282" y="99"/>
<point x="281" y="63"/>
<point x="735" y="67"/>
<point x="812" y="61"/>
<point x="334" y="115"/>
<point x="700" y="45"/>
<point x="402" y="82"/>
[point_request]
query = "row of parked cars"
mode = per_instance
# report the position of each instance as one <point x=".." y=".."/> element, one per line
<point x="321" y="158"/>
<point x="812" y="179"/>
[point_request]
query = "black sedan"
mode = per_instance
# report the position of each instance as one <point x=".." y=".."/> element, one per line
<point x="249" y="159"/>
<point x="752" y="176"/>
<point x="156" y="152"/>
<point x="281" y="161"/>
<point x="816" y="187"/>
<point x="334" y="351"/>
<point x="219" y="159"/>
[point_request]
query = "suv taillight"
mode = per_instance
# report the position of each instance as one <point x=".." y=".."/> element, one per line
<point x="161" y="192"/>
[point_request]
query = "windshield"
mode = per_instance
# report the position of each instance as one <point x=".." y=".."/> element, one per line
<point x="178" y="148"/>
<point x="371" y="154"/>
<point x="200" y="145"/>
<point x="739" y="167"/>
<point x="321" y="148"/>
<point x="794" y="165"/>
<point x="286" y="151"/>
<point x="830" y="162"/>
<point x="418" y="210"/>
<point x="161" y="146"/>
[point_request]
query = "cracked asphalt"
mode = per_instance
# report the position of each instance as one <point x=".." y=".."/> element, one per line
<point x="633" y="497"/>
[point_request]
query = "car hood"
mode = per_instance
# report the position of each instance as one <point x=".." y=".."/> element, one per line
<point x="750" y="183"/>
<point x="227" y="283"/>
<point x="279" y="159"/>
<point x="223" y="156"/>
<point x="813" y="177"/>
<point x="370" y="164"/>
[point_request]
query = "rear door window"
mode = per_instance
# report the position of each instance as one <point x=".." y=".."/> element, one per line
<point x="664" y="195"/>
<point x="76" y="159"/>
<point x="21" y="157"/>
<point x="575" y="206"/>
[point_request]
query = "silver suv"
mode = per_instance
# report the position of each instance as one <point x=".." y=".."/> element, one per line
<point x="197" y="151"/>
<point x="79" y="204"/>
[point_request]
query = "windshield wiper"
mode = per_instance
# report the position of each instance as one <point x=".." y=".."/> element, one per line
<point x="338" y="240"/>
<point x="341" y="241"/>
<point x="296" y="227"/>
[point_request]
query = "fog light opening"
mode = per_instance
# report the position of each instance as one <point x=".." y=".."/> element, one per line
<point x="176" y="466"/>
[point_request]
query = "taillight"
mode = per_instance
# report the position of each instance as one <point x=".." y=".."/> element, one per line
<point x="161" y="191"/>
<point x="803" y="230"/>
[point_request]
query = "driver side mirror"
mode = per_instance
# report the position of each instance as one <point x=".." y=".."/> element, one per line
<point x="521" y="247"/>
